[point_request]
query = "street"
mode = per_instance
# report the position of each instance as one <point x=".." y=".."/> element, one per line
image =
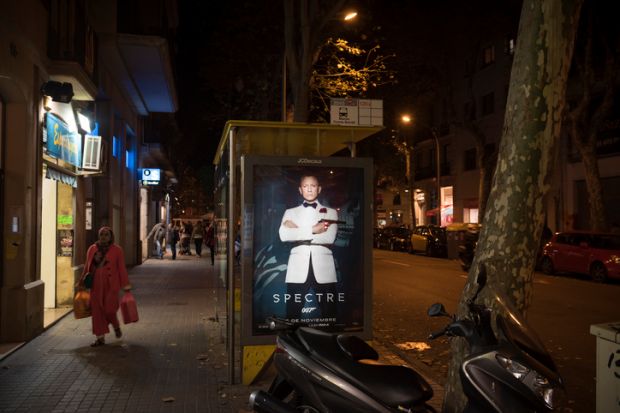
<point x="562" y="311"/>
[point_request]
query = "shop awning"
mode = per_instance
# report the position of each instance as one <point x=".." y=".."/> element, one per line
<point x="59" y="176"/>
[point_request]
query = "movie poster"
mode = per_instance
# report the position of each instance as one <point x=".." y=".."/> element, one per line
<point x="308" y="246"/>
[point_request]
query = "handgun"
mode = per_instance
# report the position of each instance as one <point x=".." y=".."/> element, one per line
<point x="332" y="221"/>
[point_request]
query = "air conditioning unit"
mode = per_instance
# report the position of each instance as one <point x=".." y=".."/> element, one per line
<point x="92" y="152"/>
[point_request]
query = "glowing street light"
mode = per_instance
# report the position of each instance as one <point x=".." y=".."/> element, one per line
<point x="408" y="119"/>
<point x="350" y="15"/>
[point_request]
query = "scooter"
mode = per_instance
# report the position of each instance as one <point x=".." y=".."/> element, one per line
<point x="323" y="372"/>
<point x="507" y="372"/>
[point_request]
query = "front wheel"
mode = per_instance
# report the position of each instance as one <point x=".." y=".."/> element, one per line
<point x="598" y="272"/>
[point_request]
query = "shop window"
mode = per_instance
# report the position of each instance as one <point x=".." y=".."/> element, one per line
<point x="470" y="215"/>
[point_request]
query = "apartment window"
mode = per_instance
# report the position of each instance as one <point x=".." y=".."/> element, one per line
<point x="468" y="112"/>
<point x="488" y="55"/>
<point x="488" y="104"/>
<point x="396" y="200"/>
<point x="469" y="163"/>
<point x="116" y="147"/>
<point x="511" y="43"/>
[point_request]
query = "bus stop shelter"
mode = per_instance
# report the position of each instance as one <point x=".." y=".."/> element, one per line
<point x="241" y="138"/>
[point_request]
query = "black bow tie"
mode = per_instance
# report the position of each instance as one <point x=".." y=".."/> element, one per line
<point x="307" y="204"/>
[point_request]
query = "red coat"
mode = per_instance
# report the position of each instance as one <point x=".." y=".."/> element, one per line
<point x="107" y="283"/>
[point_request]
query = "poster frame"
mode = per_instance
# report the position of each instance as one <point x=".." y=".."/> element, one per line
<point x="247" y="230"/>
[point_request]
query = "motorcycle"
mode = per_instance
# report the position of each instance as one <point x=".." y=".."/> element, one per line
<point x="508" y="372"/>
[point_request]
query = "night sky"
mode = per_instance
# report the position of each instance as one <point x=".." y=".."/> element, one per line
<point x="229" y="58"/>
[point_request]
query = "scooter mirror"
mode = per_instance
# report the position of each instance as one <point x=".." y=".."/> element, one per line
<point x="436" y="310"/>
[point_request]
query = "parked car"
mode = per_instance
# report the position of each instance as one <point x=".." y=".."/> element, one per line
<point x="596" y="254"/>
<point x="394" y="239"/>
<point x="430" y="240"/>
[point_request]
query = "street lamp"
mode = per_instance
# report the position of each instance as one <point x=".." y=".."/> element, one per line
<point x="407" y="150"/>
<point x="407" y="119"/>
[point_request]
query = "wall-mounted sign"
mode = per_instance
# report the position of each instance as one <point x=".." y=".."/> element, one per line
<point x="63" y="143"/>
<point x="356" y="112"/>
<point x="151" y="176"/>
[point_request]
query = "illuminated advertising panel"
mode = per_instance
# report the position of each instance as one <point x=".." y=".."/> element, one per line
<point x="306" y="243"/>
<point x="150" y="176"/>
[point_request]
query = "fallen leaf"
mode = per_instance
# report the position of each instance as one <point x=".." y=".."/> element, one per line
<point x="167" y="399"/>
<point x="202" y="357"/>
<point x="413" y="345"/>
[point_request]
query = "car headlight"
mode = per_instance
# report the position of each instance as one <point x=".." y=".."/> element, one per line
<point x="615" y="259"/>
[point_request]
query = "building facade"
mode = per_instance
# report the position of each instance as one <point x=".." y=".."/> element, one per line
<point x="74" y="97"/>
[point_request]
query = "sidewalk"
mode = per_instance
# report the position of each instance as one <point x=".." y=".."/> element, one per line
<point x="173" y="360"/>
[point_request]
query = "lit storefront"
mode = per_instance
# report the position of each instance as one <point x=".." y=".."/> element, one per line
<point x="62" y="163"/>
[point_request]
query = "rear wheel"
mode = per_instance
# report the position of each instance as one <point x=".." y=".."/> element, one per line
<point x="547" y="266"/>
<point x="598" y="272"/>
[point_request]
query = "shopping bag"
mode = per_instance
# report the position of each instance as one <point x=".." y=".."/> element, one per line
<point x="129" y="309"/>
<point x="81" y="304"/>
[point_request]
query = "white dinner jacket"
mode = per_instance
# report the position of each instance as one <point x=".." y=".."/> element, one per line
<point x="321" y="253"/>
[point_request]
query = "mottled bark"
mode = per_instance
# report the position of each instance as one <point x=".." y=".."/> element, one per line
<point x="515" y="215"/>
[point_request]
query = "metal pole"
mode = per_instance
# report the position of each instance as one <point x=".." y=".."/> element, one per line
<point x="230" y="317"/>
<point x="438" y="156"/>
<point x="284" y="88"/>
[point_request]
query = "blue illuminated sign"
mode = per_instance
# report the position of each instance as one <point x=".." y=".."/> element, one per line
<point x="63" y="143"/>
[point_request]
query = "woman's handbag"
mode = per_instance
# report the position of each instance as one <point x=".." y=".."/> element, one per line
<point x="87" y="281"/>
<point x="129" y="309"/>
<point x="81" y="304"/>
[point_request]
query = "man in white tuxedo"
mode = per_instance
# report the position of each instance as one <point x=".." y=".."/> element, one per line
<point x="311" y="263"/>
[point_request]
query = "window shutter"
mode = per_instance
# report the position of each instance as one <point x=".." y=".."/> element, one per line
<point x="92" y="152"/>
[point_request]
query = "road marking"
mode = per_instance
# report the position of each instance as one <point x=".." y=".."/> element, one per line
<point x="398" y="263"/>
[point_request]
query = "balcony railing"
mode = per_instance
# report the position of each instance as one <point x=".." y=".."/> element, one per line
<point x="71" y="37"/>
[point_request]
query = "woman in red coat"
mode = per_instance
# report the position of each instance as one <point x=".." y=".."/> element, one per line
<point x="106" y="261"/>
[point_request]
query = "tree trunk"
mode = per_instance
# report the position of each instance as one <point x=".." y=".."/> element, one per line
<point x="598" y="221"/>
<point x="305" y="23"/>
<point x="515" y="211"/>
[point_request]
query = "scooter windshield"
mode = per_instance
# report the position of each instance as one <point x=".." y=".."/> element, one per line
<point x="516" y="330"/>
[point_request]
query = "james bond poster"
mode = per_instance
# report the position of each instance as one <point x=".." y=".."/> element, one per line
<point x="308" y="248"/>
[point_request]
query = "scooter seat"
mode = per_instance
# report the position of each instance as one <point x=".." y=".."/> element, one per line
<point x="393" y="385"/>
